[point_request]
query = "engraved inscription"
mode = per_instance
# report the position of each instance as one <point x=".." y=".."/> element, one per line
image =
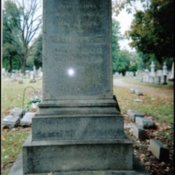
<point x="76" y="37"/>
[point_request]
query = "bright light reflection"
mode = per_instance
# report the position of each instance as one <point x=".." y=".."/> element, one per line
<point x="71" y="72"/>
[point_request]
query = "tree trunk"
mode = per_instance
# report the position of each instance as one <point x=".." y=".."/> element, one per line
<point x="24" y="61"/>
<point x="10" y="64"/>
<point x="23" y="66"/>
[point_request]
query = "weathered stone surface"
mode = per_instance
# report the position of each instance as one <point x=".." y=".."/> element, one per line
<point x="17" y="169"/>
<point x="145" y="122"/>
<point x="139" y="132"/>
<point x="77" y="39"/>
<point x="68" y="127"/>
<point x="10" y="121"/>
<point x="100" y="106"/>
<point x="133" y="114"/>
<point x="159" y="150"/>
<point x="27" y="119"/>
<point x="17" y="112"/>
<point x="78" y="127"/>
<point x="77" y="155"/>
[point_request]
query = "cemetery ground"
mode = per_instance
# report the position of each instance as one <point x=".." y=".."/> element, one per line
<point x="158" y="107"/>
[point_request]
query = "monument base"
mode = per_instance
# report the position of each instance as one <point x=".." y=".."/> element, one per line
<point x="17" y="169"/>
<point x="78" y="139"/>
<point x="77" y="155"/>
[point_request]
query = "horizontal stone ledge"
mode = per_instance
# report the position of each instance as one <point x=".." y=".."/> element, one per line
<point x="77" y="103"/>
<point x="79" y="110"/>
<point x="47" y="115"/>
<point x="30" y="142"/>
<point x="114" y="172"/>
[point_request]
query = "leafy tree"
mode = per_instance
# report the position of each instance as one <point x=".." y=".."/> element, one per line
<point x="152" y="30"/>
<point x="123" y="61"/>
<point x="129" y="5"/>
<point x="30" y="24"/>
<point x="27" y="26"/>
<point x="115" y="43"/>
<point x="11" y="43"/>
<point x="36" y="52"/>
<point x="136" y="62"/>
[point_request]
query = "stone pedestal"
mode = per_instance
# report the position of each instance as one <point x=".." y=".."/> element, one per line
<point x="78" y="128"/>
<point x="77" y="136"/>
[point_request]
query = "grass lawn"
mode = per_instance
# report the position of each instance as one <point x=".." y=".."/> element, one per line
<point x="160" y="108"/>
<point x="13" y="94"/>
<point x="12" y="140"/>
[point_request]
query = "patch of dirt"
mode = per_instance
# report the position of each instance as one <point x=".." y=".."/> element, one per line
<point x="165" y="134"/>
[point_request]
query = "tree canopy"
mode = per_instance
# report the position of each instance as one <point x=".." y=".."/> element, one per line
<point x="36" y="52"/>
<point x="122" y="60"/>
<point x="11" y="42"/>
<point x="21" y="22"/>
<point x="152" y="30"/>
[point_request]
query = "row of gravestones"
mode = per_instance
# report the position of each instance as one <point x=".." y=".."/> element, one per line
<point x="158" y="77"/>
<point x="17" y="117"/>
<point x="18" y="76"/>
<point x="127" y="74"/>
<point x="161" y="76"/>
<point x="158" y="149"/>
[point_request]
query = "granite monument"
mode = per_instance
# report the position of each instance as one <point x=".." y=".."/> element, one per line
<point x="78" y="129"/>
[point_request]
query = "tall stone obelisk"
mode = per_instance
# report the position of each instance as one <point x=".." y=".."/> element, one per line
<point x="78" y="129"/>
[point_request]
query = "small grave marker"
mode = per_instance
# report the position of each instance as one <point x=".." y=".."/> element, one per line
<point x="159" y="150"/>
<point x="139" y="132"/>
<point x="17" y="112"/>
<point x="133" y="114"/>
<point x="10" y="121"/>
<point x="27" y="119"/>
<point x="145" y="122"/>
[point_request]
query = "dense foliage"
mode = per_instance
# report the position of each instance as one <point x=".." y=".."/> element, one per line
<point x="20" y="25"/>
<point x="11" y="42"/>
<point x="123" y="60"/>
<point x="152" y="30"/>
<point x="36" y="52"/>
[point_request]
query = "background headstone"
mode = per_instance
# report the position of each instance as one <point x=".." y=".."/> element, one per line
<point x="27" y="119"/>
<point x="17" y="112"/>
<point x="10" y="121"/>
<point x="165" y="73"/>
<point x="152" y="73"/>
